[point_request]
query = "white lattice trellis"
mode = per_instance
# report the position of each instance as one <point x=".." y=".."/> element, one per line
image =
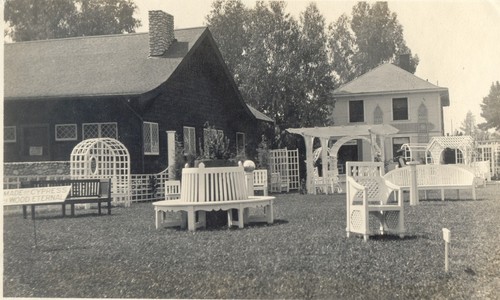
<point x="286" y="163"/>
<point x="104" y="158"/>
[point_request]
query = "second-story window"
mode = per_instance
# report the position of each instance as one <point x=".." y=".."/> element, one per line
<point x="400" y="109"/>
<point x="356" y="111"/>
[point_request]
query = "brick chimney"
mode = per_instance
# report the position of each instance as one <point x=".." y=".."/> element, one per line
<point x="404" y="62"/>
<point x="161" y="32"/>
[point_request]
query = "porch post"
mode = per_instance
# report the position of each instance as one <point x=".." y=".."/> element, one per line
<point x="171" y="153"/>
<point x="309" y="164"/>
<point x="324" y="159"/>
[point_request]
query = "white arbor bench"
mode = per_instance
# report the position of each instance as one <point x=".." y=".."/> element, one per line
<point x="373" y="203"/>
<point x="435" y="177"/>
<point x="206" y="189"/>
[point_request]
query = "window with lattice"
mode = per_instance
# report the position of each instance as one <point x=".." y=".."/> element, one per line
<point x="9" y="134"/>
<point x="151" y="138"/>
<point x="99" y="130"/>
<point x="66" y="132"/>
<point x="189" y="140"/>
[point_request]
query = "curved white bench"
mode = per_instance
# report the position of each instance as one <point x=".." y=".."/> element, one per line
<point x="435" y="177"/>
<point x="206" y="189"/>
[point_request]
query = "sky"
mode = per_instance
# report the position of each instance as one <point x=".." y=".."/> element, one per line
<point x="457" y="42"/>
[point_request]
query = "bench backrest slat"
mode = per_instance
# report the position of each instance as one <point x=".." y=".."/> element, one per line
<point x="80" y="188"/>
<point x="431" y="175"/>
<point x="213" y="184"/>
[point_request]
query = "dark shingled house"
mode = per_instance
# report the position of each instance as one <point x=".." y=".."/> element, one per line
<point x="132" y="87"/>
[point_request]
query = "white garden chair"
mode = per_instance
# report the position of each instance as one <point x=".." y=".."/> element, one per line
<point x="373" y="203"/>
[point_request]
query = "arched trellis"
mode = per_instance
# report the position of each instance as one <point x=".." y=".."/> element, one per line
<point x="438" y="144"/>
<point x="104" y="158"/>
<point x="374" y="134"/>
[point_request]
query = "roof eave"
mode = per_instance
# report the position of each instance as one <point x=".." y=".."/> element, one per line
<point x="442" y="91"/>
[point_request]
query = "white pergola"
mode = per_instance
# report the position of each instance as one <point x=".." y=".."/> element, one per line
<point x="373" y="134"/>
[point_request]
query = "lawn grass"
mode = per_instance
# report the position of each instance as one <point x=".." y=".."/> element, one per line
<point x="304" y="254"/>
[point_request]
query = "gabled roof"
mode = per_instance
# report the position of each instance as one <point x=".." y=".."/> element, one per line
<point x="91" y="66"/>
<point x="259" y="115"/>
<point x="389" y="79"/>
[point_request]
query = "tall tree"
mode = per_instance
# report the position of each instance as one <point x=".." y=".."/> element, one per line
<point x="280" y="64"/>
<point x="490" y="108"/>
<point x="374" y="36"/>
<point x="469" y="126"/>
<point x="315" y="73"/>
<point x="47" y="19"/>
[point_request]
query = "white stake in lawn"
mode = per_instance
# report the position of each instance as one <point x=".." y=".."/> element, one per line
<point x="446" y="238"/>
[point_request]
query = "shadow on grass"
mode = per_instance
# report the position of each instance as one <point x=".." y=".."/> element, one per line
<point x="451" y="200"/>
<point x="393" y="237"/>
<point x="76" y="216"/>
<point x="225" y="227"/>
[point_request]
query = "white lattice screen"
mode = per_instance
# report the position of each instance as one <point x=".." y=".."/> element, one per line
<point x="286" y="163"/>
<point x="104" y="158"/>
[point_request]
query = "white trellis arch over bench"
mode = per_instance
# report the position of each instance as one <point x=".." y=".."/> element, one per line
<point x="104" y="158"/>
<point x="438" y="144"/>
<point x="374" y="134"/>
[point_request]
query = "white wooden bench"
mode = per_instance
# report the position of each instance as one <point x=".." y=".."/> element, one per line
<point x="212" y="189"/>
<point x="435" y="177"/>
<point x="373" y="203"/>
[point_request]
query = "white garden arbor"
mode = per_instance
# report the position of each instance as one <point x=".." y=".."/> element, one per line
<point x="463" y="143"/>
<point x="104" y="158"/>
<point x="374" y="134"/>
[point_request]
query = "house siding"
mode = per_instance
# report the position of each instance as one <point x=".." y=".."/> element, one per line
<point x="407" y="128"/>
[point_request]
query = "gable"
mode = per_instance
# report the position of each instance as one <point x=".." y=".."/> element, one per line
<point x="389" y="79"/>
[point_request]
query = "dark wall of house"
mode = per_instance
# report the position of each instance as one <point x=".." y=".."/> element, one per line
<point x="48" y="113"/>
<point x="196" y="94"/>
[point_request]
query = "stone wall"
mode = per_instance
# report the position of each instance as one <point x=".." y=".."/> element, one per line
<point x="37" y="168"/>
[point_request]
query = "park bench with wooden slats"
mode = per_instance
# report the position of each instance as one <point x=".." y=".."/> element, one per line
<point x="212" y="189"/>
<point x="435" y="177"/>
<point x="82" y="191"/>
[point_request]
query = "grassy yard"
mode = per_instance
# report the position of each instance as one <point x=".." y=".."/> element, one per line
<point x="305" y="254"/>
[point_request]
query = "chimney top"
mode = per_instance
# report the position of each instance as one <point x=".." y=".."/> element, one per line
<point x="404" y="62"/>
<point x="161" y="32"/>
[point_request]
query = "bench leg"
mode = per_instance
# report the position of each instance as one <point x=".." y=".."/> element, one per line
<point x="99" y="207"/>
<point x="72" y="209"/>
<point x="229" y="217"/>
<point x="64" y="210"/>
<point x="241" y="222"/>
<point x="442" y="194"/>
<point x="269" y="213"/>
<point x="25" y="211"/>
<point x="191" y="219"/>
<point x="158" y="218"/>
<point x="32" y="212"/>
<point x="109" y="207"/>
